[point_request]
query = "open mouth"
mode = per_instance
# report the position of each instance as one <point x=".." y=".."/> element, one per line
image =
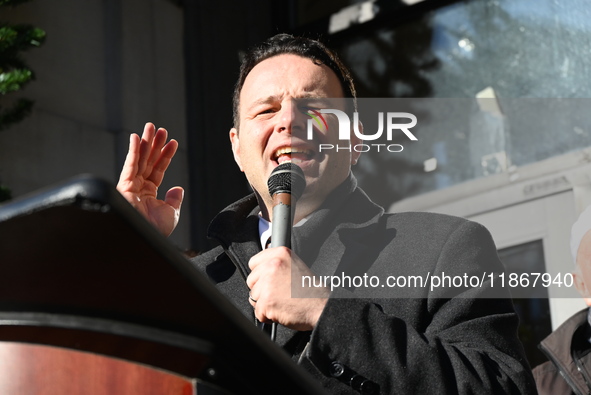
<point x="292" y="154"/>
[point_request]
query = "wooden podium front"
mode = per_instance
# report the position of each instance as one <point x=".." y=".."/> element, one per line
<point x="46" y="370"/>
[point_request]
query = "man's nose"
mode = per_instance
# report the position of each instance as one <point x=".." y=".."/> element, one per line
<point x="291" y="119"/>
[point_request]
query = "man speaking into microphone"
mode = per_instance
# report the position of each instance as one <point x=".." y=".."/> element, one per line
<point x="350" y="341"/>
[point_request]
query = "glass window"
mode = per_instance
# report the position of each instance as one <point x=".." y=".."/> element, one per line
<point x="534" y="313"/>
<point x="528" y="57"/>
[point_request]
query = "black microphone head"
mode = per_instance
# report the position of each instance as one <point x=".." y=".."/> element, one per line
<point x="287" y="178"/>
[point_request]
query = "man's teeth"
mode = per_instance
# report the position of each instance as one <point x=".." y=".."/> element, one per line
<point x="289" y="150"/>
<point x="294" y="155"/>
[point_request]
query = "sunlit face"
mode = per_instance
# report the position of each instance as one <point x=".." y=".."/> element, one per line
<point x="273" y="129"/>
<point x="583" y="272"/>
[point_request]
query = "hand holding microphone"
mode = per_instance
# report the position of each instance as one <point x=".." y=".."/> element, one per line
<point x="272" y="269"/>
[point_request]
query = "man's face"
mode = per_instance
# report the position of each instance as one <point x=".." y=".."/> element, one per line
<point x="273" y="129"/>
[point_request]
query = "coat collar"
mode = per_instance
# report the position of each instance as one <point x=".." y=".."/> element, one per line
<point x="236" y="227"/>
<point x="236" y="221"/>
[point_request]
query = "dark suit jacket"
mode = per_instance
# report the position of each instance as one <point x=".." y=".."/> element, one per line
<point x="404" y="339"/>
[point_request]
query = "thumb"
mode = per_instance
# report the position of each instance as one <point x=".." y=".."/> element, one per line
<point x="174" y="197"/>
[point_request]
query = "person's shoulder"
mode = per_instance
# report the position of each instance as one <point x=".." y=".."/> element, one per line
<point x="428" y="220"/>
<point x="435" y="227"/>
<point x="544" y="369"/>
<point x="549" y="380"/>
<point x="425" y="216"/>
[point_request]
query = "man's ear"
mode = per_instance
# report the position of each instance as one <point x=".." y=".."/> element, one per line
<point x="355" y="140"/>
<point x="235" y="140"/>
<point x="581" y="287"/>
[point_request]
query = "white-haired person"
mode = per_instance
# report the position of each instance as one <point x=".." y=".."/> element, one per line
<point x="568" y="348"/>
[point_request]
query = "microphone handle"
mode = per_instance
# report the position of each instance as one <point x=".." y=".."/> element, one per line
<point x="282" y="222"/>
<point x="280" y="237"/>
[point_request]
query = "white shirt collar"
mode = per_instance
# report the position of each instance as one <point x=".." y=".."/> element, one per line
<point x="266" y="229"/>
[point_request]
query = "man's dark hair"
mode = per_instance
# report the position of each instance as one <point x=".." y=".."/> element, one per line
<point x="287" y="44"/>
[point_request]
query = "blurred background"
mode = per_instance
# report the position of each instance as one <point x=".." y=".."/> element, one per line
<point x="512" y="154"/>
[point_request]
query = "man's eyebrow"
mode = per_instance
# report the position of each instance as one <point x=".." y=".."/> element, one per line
<point x="264" y="100"/>
<point x="313" y="98"/>
<point x="311" y="95"/>
<point x="307" y="96"/>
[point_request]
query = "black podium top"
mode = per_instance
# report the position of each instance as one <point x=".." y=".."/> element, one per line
<point x="80" y="268"/>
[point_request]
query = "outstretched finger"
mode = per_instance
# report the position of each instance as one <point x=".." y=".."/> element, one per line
<point x="130" y="167"/>
<point x="145" y="146"/>
<point x="155" y="150"/>
<point x="159" y="168"/>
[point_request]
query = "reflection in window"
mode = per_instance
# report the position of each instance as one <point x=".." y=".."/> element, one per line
<point x="507" y="50"/>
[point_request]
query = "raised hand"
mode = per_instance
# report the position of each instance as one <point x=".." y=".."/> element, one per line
<point x="143" y="171"/>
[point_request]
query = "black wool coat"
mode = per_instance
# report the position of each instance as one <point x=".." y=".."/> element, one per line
<point x="398" y="339"/>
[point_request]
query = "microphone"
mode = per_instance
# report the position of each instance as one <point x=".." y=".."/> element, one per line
<point x="286" y="185"/>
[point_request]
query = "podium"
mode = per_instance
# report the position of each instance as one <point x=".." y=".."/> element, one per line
<point x="94" y="300"/>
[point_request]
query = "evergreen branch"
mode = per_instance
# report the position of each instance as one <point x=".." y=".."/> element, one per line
<point x="14" y="38"/>
<point x="14" y="80"/>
